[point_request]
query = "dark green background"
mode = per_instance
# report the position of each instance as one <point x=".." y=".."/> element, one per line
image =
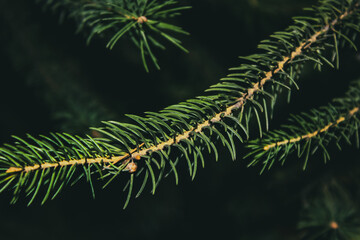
<point x="48" y="72"/>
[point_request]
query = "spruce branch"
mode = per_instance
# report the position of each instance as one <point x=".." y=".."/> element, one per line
<point x="145" y="22"/>
<point x="151" y="147"/>
<point x="311" y="132"/>
<point x="316" y="133"/>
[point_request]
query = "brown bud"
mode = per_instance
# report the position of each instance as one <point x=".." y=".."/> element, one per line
<point x="334" y="225"/>
<point x="142" y="19"/>
<point x="132" y="167"/>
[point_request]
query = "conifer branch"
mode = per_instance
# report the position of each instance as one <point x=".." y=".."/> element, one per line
<point x="144" y="22"/>
<point x="311" y="132"/>
<point x="307" y="136"/>
<point x="239" y="103"/>
<point x="99" y="160"/>
<point x="152" y="146"/>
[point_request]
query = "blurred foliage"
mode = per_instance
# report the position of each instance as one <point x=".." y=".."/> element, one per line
<point x="329" y="212"/>
<point x="143" y="21"/>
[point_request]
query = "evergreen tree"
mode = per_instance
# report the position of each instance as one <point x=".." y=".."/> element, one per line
<point x="234" y="113"/>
